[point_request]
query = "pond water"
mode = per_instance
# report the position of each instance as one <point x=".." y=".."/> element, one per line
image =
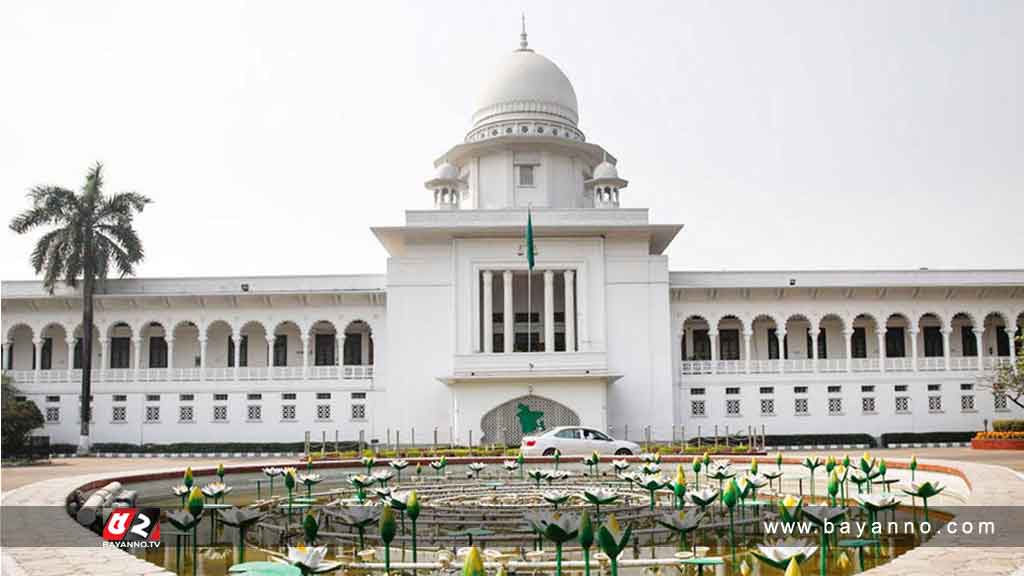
<point x="497" y="503"/>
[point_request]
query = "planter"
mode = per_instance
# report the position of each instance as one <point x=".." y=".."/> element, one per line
<point x="997" y="444"/>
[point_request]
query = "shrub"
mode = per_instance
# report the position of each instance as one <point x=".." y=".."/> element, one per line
<point x="19" y="417"/>
<point x="925" y="437"/>
<point x="1008" y="425"/>
<point x="1015" y="435"/>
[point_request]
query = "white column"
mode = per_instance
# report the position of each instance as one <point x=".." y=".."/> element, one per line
<point x="170" y="358"/>
<point x="781" y="334"/>
<point x="913" y="347"/>
<point x="570" y="311"/>
<point x="71" y="354"/>
<point x="202" y="359"/>
<point x="105" y="359"/>
<point x="979" y="334"/>
<point x="747" y="334"/>
<point x="339" y="347"/>
<point x="137" y="342"/>
<point x="305" y="355"/>
<point x="848" y="336"/>
<point x="549" y="311"/>
<point x="488" y="315"/>
<point x="945" y="346"/>
<point x="7" y="346"/>
<point x="880" y="333"/>
<point x="509" y="316"/>
<point x="814" y="347"/>
<point x="1011" y="333"/>
<point x="270" y="354"/>
<point x="713" y="337"/>
<point x="37" y="350"/>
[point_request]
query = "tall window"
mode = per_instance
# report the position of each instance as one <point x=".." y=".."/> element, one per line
<point x="822" y="344"/>
<point x="895" y="342"/>
<point x="1002" y="342"/>
<point x="967" y="340"/>
<point x="78" y="354"/>
<point x="773" y="344"/>
<point x="119" y="352"/>
<point x="280" y="350"/>
<point x="243" y="351"/>
<point x="729" y="340"/>
<point x="526" y="175"/>
<point x="323" y="354"/>
<point x="46" y="355"/>
<point x="157" y="352"/>
<point x="353" y="349"/>
<point x="701" y="345"/>
<point x="860" y="343"/>
<point x="932" y="341"/>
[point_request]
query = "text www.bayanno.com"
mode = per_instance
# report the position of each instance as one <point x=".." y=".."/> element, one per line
<point x="861" y="529"/>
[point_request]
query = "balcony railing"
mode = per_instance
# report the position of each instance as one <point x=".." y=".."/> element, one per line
<point x="218" y="374"/>
<point x="833" y="365"/>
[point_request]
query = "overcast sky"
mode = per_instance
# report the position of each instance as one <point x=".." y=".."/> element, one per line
<point x="271" y="135"/>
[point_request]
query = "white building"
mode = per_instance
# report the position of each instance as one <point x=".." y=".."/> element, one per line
<point x="442" y="343"/>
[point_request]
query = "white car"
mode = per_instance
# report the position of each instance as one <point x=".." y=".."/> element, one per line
<point x="576" y="441"/>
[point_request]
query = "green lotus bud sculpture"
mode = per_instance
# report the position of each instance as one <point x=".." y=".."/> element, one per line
<point x="412" y="510"/>
<point x="188" y="480"/>
<point x="613" y="540"/>
<point x="913" y="467"/>
<point x="753" y="466"/>
<point x="586" y="539"/>
<point x="679" y="488"/>
<point x="220" y="471"/>
<point x="833" y="486"/>
<point x="591" y="462"/>
<point x="830" y="464"/>
<point x="696" y="466"/>
<point x="310" y="527"/>
<point x="730" y="497"/>
<point x="388" y="529"/>
<point x="289" y="483"/>
<point x="195" y="508"/>
<point x="790" y="509"/>
<point x="474" y="564"/>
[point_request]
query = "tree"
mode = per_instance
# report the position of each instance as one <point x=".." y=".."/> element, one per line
<point x="90" y="232"/>
<point x="19" y="417"/>
<point x="1008" y="379"/>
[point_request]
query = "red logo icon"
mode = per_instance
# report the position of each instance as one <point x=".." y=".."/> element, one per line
<point x="132" y="525"/>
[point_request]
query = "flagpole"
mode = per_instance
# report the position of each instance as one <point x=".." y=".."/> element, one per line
<point x="529" y="308"/>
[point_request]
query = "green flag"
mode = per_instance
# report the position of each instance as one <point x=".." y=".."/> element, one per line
<point x="529" y="239"/>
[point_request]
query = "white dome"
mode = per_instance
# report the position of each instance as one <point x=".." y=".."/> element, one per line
<point x="606" y="170"/>
<point x="526" y="83"/>
<point x="446" y="172"/>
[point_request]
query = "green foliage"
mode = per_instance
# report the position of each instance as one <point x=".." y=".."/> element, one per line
<point x="1008" y="425"/>
<point x="19" y="418"/>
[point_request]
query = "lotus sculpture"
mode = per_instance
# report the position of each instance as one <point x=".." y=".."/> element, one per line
<point x="613" y="539"/>
<point x="360" y="482"/>
<point x="682" y="523"/>
<point x="822" y="517"/>
<point x="599" y="497"/>
<point x="679" y="488"/>
<point x="309" y="480"/>
<point x="398" y="466"/>
<point x="924" y="491"/>
<point x="559" y="528"/>
<point x="555" y="497"/>
<point x="216" y="490"/>
<point x="477" y="468"/>
<point x="383" y="477"/>
<point x="704" y="497"/>
<point x="310" y="559"/>
<point x="780" y="553"/>
<point x="652" y="483"/>
<point x="592" y="462"/>
<point x="181" y="491"/>
<point x="812" y="463"/>
<point x="439" y="465"/>
<point x="368" y="461"/>
<point x="271" y="473"/>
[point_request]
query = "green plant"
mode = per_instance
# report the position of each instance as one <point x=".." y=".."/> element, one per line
<point x="387" y="534"/>
<point x="412" y="510"/>
<point x="19" y="418"/>
<point x="91" y="233"/>
<point x="1008" y="425"/>
<point x="586" y="539"/>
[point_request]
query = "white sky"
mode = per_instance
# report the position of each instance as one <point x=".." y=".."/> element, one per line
<point x="272" y="135"/>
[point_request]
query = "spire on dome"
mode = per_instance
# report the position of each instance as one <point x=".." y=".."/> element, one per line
<point x="523" y="44"/>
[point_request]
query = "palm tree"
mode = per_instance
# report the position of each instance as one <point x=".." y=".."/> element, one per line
<point x="89" y="233"/>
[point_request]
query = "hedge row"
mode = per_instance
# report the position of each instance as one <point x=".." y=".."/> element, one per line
<point x="1008" y="425"/>
<point x="926" y="437"/>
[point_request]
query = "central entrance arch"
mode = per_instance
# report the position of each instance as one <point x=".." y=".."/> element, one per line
<point x="510" y="421"/>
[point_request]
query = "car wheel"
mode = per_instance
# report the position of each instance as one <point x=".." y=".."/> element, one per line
<point x="549" y="452"/>
<point x="623" y="452"/>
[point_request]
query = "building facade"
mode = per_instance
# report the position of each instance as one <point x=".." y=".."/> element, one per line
<point x="459" y="337"/>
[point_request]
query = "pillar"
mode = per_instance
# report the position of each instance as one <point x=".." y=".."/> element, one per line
<point x="71" y="354"/>
<point x="1011" y="334"/>
<point x="137" y="343"/>
<point x="339" y="347"/>
<point x="7" y="347"/>
<point x="105" y="359"/>
<point x="570" y="310"/>
<point x="880" y="334"/>
<point x="747" y="334"/>
<point x="488" y="314"/>
<point x="37" y="351"/>
<point x="979" y="334"/>
<point x="170" y="358"/>
<point x="305" y="354"/>
<point x="781" y="335"/>
<point x="713" y="337"/>
<point x="848" y="337"/>
<point x="508" y="314"/>
<point x="270" y="353"/>
<point x="814" y="347"/>
<point x="549" y="311"/>
<point x="913" y="347"/>
<point x="202" y="359"/>
<point x="945" y="346"/>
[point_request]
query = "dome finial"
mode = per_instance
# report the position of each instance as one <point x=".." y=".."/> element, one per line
<point x="523" y="45"/>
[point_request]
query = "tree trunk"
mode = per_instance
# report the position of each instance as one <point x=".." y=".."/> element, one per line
<point x="88" y="286"/>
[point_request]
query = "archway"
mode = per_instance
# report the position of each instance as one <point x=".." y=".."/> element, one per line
<point x="525" y="415"/>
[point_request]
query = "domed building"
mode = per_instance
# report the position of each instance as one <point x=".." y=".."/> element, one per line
<point x="531" y="286"/>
